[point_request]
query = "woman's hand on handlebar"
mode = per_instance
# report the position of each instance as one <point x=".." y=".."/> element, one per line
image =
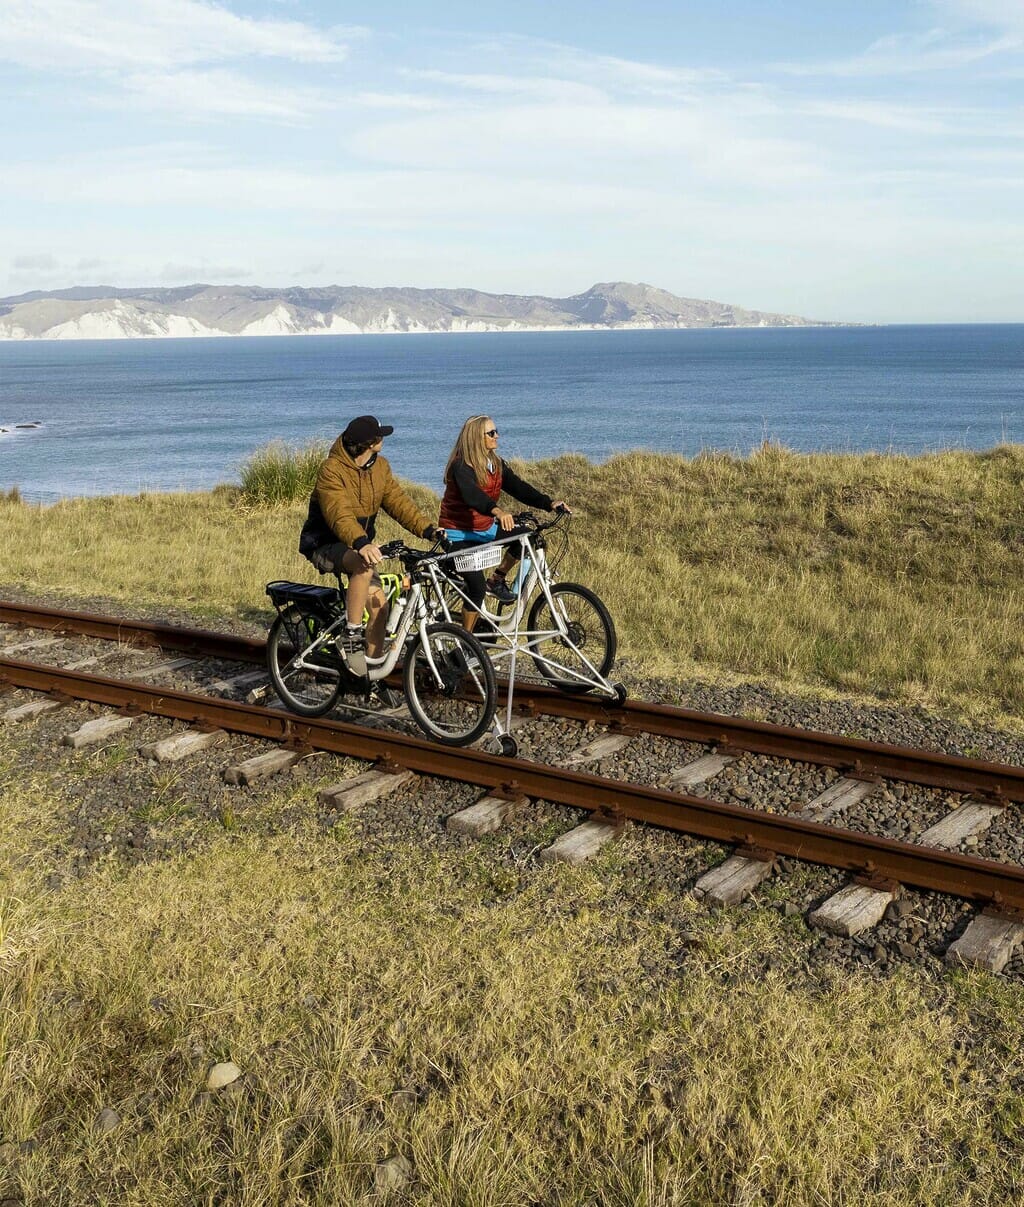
<point x="506" y="520"/>
<point x="438" y="535"/>
<point x="560" y="506"/>
<point x="371" y="554"/>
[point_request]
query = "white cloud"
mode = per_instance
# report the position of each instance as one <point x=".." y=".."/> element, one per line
<point x="89" y="35"/>
<point x="40" y="262"/>
<point x="883" y="114"/>
<point x="385" y="197"/>
<point x="218" y="92"/>
<point x="537" y="87"/>
<point x="611" y="71"/>
<point x="201" y="272"/>
<point x="395" y="100"/>
<point x="998" y="14"/>
<point x="590" y="142"/>
<point x="907" y="54"/>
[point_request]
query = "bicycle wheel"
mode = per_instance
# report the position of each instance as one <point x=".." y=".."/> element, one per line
<point x="590" y="637"/>
<point x="311" y="690"/>
<point x="459" y="709"/>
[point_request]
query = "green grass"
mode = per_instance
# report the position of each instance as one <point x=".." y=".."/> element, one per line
<point x="280" y="474"/>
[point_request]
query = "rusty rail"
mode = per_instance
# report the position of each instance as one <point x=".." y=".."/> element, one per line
<point x="855" y="756"/>
<point x="979" y="880"/>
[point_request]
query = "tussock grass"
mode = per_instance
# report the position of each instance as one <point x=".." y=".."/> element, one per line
<point x="878" y="574"/>
<point x="520" y="1035"/>
<point x="280" y="474"/>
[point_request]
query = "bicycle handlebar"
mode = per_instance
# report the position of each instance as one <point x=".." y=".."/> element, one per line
<point x="526" y="519"/>
<point x="409" y="557"/>
<point x="412" y="557"/>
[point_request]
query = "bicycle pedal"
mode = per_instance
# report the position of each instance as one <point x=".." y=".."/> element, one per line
<point x="381" y="696"/>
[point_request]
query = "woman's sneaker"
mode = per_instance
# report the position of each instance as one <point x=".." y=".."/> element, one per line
<point x="497" y="587"/>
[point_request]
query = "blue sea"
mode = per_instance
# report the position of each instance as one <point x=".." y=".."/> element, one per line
<point x="126" y="416"/>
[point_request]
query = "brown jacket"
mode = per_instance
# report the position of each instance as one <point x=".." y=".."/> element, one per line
<point x="346" y="500"/>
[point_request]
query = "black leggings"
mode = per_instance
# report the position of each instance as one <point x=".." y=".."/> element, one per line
<point x="476" y="580"/>
<point x="476" y="583"/>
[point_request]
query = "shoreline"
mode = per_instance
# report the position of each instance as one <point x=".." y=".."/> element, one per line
<point x="209" y="335"/>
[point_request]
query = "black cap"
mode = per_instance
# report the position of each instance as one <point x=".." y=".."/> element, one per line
<point x="365" y="429"/>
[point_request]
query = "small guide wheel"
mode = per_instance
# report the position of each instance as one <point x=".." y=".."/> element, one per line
<point x="620" y="695"/>
<point x="509" y="746"/>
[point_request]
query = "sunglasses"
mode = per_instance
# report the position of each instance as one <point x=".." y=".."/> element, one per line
<point x="492" y="432"/>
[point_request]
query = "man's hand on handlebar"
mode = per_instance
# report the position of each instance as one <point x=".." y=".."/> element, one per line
<point x="371" y="554"/>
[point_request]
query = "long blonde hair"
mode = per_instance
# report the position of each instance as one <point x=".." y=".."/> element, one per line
<point x="470" y="447"/>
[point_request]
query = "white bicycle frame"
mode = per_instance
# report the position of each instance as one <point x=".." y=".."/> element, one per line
<point x="511" y="636"/>
<point x="416" y="613"/>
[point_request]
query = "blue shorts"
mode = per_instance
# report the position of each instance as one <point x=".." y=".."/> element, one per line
<point x="457" y="535"/>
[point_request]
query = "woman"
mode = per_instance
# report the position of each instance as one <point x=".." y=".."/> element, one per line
<point x="474" y="478"/>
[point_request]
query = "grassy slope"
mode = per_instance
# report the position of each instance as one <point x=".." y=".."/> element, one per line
<point x="880" y="574"/>
<point x="547" y="1070"/>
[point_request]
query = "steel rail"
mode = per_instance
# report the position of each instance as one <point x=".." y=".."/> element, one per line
<point x="855" y="756"/>
<point x="764" y="834"/>
<point x="201" y="642"/>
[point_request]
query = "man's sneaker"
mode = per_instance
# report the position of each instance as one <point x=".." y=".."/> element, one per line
<point x="497" y="587"/>
<point x="352" y="643"/>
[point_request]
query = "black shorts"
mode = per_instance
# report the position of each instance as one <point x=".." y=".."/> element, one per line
<point x="329" y="559"/>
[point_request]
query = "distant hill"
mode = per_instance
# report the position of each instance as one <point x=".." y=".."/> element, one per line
<point x="99" y="312"/>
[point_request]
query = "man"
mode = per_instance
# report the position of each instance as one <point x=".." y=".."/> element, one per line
<point x="354" y="483"/>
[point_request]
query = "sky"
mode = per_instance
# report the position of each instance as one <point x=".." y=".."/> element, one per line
<point x="855" y="161"/>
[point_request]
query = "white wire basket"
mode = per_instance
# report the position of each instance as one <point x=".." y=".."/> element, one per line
<point x="479" y="559"/>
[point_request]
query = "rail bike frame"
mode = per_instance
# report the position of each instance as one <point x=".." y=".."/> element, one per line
<point x="507" y="636"/>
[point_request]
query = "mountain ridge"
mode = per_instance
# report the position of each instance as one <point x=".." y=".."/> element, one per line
<point x="107" y="312"/>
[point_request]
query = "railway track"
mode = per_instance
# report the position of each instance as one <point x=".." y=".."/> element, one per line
<point x="702" y="748"/>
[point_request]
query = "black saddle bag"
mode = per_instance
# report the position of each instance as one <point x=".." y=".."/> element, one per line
<point x="322" y="602"/>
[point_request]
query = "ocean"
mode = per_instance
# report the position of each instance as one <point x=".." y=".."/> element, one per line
<point x="123" y="416"/>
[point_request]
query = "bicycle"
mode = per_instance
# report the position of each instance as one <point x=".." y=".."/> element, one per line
<point x="568" y="634"/>
<point x="448" y="680"/>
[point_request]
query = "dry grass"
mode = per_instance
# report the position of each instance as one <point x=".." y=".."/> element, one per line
<point x="521" y="1034"/>
<point x="465" y="1013"/>
<point x="883" y="575"/>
